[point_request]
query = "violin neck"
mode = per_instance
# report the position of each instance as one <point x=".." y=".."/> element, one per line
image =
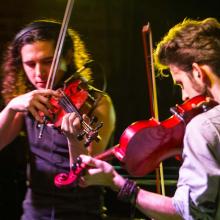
<point x="69" y="106"/>
<point x="106" y="155"/>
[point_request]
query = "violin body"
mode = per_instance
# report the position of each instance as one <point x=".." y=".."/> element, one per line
<point x="144" y="144"/>
<point x="76" y="98"/>
<point x="76" y="95"/>
<point x="150" y="142"/>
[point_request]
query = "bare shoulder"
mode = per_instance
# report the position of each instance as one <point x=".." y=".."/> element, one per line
<point x="105" y="106"/>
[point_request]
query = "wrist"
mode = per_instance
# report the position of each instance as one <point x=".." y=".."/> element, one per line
<point x="10" y="108"/>
<point x="128" y="192"/>
<point x="118" y="182"/>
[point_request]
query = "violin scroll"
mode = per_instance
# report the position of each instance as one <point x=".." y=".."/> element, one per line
<point x="65" y="180"/>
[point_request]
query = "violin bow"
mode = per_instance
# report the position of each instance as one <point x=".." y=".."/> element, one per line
<point x="57" y="55"/>
<point x="59" y="45"/>
<point x="152" y="89"/>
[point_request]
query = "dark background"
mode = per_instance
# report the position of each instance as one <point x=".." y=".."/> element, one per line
<point x="112" y="32"/>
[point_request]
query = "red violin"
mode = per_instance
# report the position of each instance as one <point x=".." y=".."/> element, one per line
<point x="77" y="97"/>
<point x="144" y="144"/>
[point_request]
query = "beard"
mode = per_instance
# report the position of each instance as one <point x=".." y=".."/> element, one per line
<point x="201" y="89"/>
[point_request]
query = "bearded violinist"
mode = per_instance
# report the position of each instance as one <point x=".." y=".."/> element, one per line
<point x="191" y="51"/>
<point x="26" y="67"/>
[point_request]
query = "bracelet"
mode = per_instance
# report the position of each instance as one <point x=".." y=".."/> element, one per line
<point x="128" y="193"/>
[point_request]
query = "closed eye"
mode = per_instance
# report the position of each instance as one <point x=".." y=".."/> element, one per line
<point x="47" y="61"/>
<point x="30" y="64"/>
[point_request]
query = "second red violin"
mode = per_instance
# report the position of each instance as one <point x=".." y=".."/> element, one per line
<point x="144" y="144"/>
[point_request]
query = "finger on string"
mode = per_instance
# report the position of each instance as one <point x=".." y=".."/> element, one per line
<point x="94" y="171"/>
<point x="76" y="124"/>
<point x="65" y="123"/>
<point x="86" y="118"/>
<point x="72" y="117"/>
<point x="85" y="159"/>
<point x="92" y="161"/>
<point x="73" y="122"/>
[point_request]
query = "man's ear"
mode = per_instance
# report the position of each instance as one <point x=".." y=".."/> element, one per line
<point x="198" y="73"/>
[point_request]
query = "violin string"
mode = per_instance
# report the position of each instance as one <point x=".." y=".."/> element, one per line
<point x="71" y="108"/>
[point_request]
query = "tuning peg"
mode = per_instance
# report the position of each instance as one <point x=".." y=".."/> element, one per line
<point x="99" y="126"/>
<point x="81" y="135"/>
<point x="93" y="120"/>
<point x="77" y="164"/>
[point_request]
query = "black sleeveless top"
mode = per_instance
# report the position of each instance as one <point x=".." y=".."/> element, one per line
<point x="49" y="156"/>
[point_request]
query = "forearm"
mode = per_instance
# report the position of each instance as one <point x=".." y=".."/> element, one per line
<point x="156" y="206"/>
<point x="153" y="205"/>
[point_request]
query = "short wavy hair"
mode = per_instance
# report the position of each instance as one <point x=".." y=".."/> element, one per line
<point x="188" y="42"/>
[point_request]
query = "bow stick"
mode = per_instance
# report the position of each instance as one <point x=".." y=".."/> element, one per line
<point x="152" y="89"/>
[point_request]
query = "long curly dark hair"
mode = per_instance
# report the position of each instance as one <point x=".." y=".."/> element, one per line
<point x="14" y="79"/>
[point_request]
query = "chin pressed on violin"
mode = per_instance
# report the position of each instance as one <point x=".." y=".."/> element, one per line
<point x="144" y="144"/>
